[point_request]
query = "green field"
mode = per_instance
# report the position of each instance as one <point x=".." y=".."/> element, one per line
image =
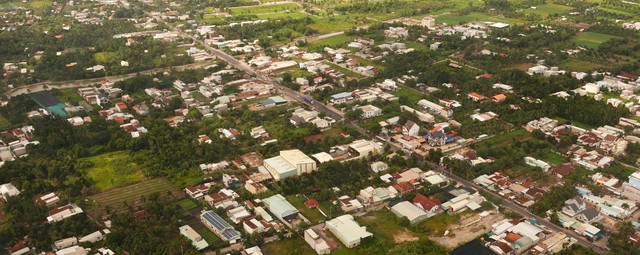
<point x="326" y="25"/>
<point x="591" y="39"/>
<point x="413" y="95"/>
<point x="547" y="9"/>
<point x="333" y="42"/>
<point x="437" y="225"/>
<point x="294" y="246"/>
<point x="68" y="95"/>
<point x="116" y="198"/>
<point x="187" y="204"/>
<point x="312" y="214"/>
<point x="553" y="158"/>
<point x="254" y="10"/>
<point x="207" y="235"/>
<point x="507" y="139"/>
<point x="474" y="16"/>
<point x="574" y="64"/>
<point x="111" y="170"/>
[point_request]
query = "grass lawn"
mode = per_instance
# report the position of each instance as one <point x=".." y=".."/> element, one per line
<point x="111" y="170"/>
<point x="280" y="15"/>
<point x="547" y="9"/>
<point x="437" y="225"/>
<point x="591" y="39"/>
<point x="198" y="96"/>
<point x="207" y="235"/>
<point x="187" y="204"/>
<point x="507" y="139"/>
<point x="553" y="158"/>
<point x="474" y="16"/>
<point x="294" y="246"/>
<point x="68" y="95"/>
<point x="580" y="66"/>
<point x="312" y="214"/>
<point x="264" y="9"/>
<point x="413" y="95"/>
<point x="4" y="123"/>
<point x="326" y="25"/>
<point x="333" y="42"/>
<point x="577" y="124"/>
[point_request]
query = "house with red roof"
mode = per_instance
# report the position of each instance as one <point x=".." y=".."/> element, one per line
<point x="311" y="203"/>
<point x="426" y="204"/>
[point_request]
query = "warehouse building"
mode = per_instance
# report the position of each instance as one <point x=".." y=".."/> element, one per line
<point x="347" y="230"/>
<point x="289" y="163"/>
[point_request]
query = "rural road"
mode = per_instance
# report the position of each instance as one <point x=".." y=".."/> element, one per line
<point x="47" y="85"/>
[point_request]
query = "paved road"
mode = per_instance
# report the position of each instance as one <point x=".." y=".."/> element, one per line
<point x="508" y="204"/>
<point x="47" y="85"/>
<point x="338" y="116"/>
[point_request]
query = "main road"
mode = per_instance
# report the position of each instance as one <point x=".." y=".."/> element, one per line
<point x="334" y="113"/>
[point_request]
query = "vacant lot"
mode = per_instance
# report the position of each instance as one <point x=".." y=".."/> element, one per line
<point x="467" y="229"/>
<point x="111" y="170"/>
<point x="591" y="39"/>
<point x="474" y="16"/>
<point x="264" y="9"/>
<point x="117" y="198"/>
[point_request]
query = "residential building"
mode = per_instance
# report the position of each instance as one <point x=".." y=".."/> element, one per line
<point x="573" y="206"/>
<point x="64" y="243"/>
<point x="281" y="208"/>
<point x="316" y="242"/>
<point x="196" y="240"/>
<point x="410" y="128"/>
<point x="378" y="166"/>
<point x="63" y="212"/>
<point x="588" y="215"/>
<point x="347" y="230"/>
<point x="370" y="111"/>
<point x="426" y="204"/>
<point x="255" y="226"/>
<point x="95" y="236"/>
<point x="219" y="227"/>
<point x="363" y="148"/>
<point x="348" y="204"/>
<point x="409" y="210"/>
<point x="435" y="108"/>
<point x="198" y="191"/>
<point x="8" y="190"/>
<point x="537" y="163"/>
<point x="73" y="250"/>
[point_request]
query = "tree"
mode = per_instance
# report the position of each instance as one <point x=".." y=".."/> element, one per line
<point x="354" y="114"/>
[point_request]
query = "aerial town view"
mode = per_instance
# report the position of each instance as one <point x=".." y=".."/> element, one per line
<point x="302" y="127"/>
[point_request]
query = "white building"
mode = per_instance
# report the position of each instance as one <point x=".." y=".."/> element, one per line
<point x="8" y="190"/>
<point x="347" y="230"/>
<point x="289" y="163"/>
<point x="370" y="111"/>
<point x="316" y="242"/>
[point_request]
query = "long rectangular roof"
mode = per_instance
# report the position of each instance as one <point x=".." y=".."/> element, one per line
<point x="279" y="206"/>
<point x="347" y="228"/>
<point x="281" y="165"/>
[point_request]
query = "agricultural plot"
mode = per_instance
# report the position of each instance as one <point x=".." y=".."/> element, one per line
<point x="591" y="39"/>
<point x="255" y="10"/>
<point x="548" y="9"/>
<point x="117" y="198"/>
<point x="475" y="16"/>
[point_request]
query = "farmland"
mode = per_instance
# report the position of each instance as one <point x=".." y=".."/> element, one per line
<point x="131" y="194"/>
<point x="548" y="9"/>
<point x="591" y="39"/>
